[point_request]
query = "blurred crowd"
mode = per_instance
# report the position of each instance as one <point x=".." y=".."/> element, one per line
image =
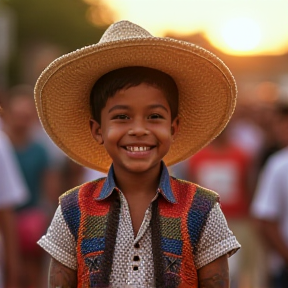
<point x="247" y="165"/>
<point x="33" y="174"/>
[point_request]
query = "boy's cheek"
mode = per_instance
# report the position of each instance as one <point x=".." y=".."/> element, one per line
<point x="114" y="133"/>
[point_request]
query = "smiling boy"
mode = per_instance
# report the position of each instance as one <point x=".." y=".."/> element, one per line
<point x="138" y="227"/>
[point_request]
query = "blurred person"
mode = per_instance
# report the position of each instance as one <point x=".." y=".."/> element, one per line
<point x="13" y="192"/>
<point x="270" y="205"/>
<point x="253" y="122"/>
<point x="244" y="131"/>
<point x="265" y="117"/>
<point x="274" y="141"/>
<point x="227" y="169"/>
<point x="55" y="154"/>
<point x="33" y="160"/>
<point x="57" y="162"/>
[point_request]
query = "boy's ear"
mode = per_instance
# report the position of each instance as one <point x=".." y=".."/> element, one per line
<point x="96" y="131"/>
<point x="175" y="127"/>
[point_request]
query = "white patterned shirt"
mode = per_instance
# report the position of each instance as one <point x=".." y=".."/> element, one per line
<point x="133" y="258"/>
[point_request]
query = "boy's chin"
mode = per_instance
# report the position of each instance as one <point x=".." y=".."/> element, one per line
<point x="140" y="167"/>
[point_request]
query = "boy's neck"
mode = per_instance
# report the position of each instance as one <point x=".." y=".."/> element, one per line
<point x="138" y="185"/>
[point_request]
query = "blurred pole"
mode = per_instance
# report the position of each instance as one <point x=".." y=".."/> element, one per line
<point x="6" y="42"/>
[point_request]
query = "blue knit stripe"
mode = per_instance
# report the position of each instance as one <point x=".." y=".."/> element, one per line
<point x="173" y="246"/>
<point x="71" y="211"/>
<point x="203" y="202"/>
<point x="92" y="245"/>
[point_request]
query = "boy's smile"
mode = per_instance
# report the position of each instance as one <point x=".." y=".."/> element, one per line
<point x="136" y="128"/>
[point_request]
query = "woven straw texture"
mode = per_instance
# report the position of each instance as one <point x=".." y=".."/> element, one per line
<point x="207" y="91"/>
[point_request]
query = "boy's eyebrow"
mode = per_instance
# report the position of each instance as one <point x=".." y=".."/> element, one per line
<point x="126" y="107"/>
<point x="158" y="106"/>
<point x="118" y="107"/>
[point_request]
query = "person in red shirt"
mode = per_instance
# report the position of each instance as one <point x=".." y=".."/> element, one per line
<point x="223" y="167"/>
<point x="229" y="170"/>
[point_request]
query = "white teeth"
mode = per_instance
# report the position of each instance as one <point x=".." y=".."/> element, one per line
<point x="136" y="149"/>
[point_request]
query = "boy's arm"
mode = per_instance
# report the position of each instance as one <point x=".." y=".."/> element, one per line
<point x="215" y="274"/>
<point x="61" y="276"/>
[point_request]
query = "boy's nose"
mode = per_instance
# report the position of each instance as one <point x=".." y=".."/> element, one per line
<point x="138" y="129"/>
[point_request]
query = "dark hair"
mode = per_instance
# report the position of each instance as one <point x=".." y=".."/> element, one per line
<point x="107" y="85"/>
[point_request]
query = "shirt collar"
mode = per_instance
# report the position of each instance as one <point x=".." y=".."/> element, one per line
<point x="164" y="185"/>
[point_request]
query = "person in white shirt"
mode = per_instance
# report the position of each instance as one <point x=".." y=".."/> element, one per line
<point x="270" y="206"/>
<point x="13" y="192"/>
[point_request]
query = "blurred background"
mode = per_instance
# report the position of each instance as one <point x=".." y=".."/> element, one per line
<point x="251" y="37"/>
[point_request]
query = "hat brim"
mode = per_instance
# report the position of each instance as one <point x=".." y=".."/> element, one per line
<point x="207" y="94"/>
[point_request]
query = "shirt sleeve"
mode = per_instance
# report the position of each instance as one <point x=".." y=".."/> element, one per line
<point x="59" y="242"/>
<point x="216" y="240"/>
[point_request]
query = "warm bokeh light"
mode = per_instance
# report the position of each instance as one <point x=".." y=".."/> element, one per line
<point x="241" y="34"/>
<point x="234" y="26"/>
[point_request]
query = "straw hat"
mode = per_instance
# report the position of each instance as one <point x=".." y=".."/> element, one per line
<point x="207" y="91"/>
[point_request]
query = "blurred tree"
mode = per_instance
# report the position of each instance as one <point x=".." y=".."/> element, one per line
<point x="65" y="23"/>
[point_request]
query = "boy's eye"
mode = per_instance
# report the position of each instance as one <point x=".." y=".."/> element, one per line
<point x="121" y="117"/>
<point x="155" y="116"/>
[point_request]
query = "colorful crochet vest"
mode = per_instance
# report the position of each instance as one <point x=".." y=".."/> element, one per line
<point x="176" y="230"/>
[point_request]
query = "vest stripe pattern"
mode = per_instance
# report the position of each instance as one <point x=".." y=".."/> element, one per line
<point x="176" y="230"/>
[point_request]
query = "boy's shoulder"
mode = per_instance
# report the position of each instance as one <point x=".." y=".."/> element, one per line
<point x="74" y="200"/>
<point x="92" y="188"/>
<point x="184" y="187"/>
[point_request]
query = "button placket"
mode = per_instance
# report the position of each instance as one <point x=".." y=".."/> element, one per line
<point x="136" y="272"/>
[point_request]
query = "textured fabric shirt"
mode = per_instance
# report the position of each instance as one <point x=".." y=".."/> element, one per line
<point x="133" y="258"/>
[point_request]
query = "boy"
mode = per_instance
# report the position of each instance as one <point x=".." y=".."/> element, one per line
<point x="138" y="227"/>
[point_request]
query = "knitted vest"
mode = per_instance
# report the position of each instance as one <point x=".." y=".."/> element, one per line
<point x="176" y="230"/>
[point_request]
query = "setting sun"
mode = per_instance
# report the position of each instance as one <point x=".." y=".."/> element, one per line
<point x="235" y="27"/>
<point x="241" y="34"/>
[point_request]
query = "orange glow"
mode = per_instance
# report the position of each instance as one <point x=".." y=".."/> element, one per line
<point x="238" y="27"/>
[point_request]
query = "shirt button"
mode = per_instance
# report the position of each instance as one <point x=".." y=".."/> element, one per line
<point x="136" y="258"/>
<point x="135" y="268"/>
<point x="137" y="245"/>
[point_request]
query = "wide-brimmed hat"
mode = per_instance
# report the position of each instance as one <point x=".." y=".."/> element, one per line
<point x="207" y="91"/>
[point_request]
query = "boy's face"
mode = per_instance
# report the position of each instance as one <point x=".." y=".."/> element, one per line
<point x="136" y="128"/>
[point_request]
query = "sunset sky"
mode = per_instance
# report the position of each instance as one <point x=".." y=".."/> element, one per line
<point x="234" y="26"/>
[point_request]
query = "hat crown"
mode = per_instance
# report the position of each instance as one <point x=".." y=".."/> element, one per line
<point x="123" y="30"/>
